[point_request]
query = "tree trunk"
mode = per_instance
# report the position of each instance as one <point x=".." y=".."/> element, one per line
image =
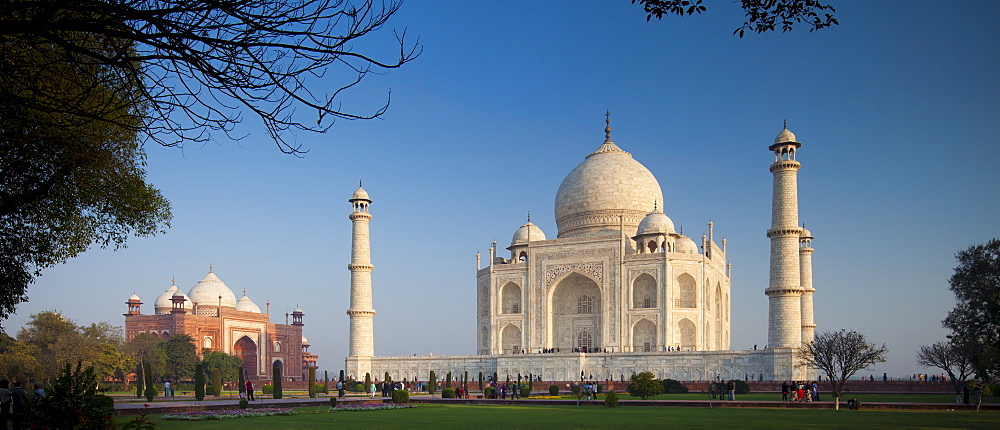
<point x="836" y="402"/>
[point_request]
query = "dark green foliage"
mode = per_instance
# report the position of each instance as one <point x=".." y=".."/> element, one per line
<point x="480" y="381"/>
<point x="242" y="382"/>
<point x="181" y="357"/>
<point x="199" y="383"/>
<point x="465" y="381"/>
<point x="333" y="402"/>
<point x="488" y="392"/>
<point x="244" y="404"/>
<point x="447" y="393"/>
<point x="150" y="391"/>
<point x="277" y="382"/>
<point x="447" y="382"/>
<point x="360" y="387"/>
<point x="496" y="378"/>
<point x="72" y="402"/>
<point x="671" y="386"/>
<point x="400" y="396"/>
<point x="553" y="390"/>
<point x="975" y="320"/>
<point x="312" y="382"/>
<point x="531" y="382"/>
<point x="229" y="365"/>
<point x="267" y="389"/>
<point x="326" y="383"/>
<point x="216" y="382"/>
<point x="525" y="390"/>
<point x="742" y="387"/>
<point x="576" y="389"/>
<point x="341" y="376"/>
<point x="368" y="382"/>
<point x="432" y="385"/>
<point x="140" y="378"/>
<point x="644" y="385"/>
<point x="387" y="378"/>
<point x="611" y="399"/>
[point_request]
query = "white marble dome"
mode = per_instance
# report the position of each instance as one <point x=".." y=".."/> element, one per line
<point x="685" y="245"/>
<point x="655" y="223"/>
<point x="360" y="194"/>
<point x="134" y="298"/>
<point x="163" y="305"/>
<point x="206" y="293"/>
<point x="607" y="184"/>
<point x="247" y="305"/>
<point x="529" y="230"/>
<point x="806" y="234"/>
<point x="784" y="136"/>
<point x="305" y="341"/>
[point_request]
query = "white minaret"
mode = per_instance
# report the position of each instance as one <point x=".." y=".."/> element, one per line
<point x="362" y="339"/>
<point x="784" y="290"/>
<point x="806" y="272"/>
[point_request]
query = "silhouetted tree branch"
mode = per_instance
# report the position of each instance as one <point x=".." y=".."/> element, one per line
<point x="762" y="15"/>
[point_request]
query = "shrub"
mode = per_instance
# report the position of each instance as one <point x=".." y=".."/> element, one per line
<point x="576" y="389"/>
<point x="400" y="396"/>
<point x="432" y="386"/>
<point x="368" y="382"/>
<point x="644" y="385"/>
<point x="553" y="390"/>
<point x="448" y="393"/>
<point x="333" y="402"/>
<point x="150" y="391"/>
<point x="277" y="382"/>
<point x="216" y="382"/>
<point x="199" y="383"/>
<point x="671" y="386"/>
<point x="242" y="387"/>
<point x="244" y="403"/>
<point x="611" y="399"/>
<point x="312" y="383"/>
<point x="447" y="382"/>
<point x="359" y="387"/>
<point x="488" y="392"/>
<point x="267" y="389"/>
<point x="525" y="391"/>
<point x="742" y="387"/>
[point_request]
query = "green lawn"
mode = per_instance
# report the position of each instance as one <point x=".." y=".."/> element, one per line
<point x="461" y="416"/>
<point x="826" y="397"/>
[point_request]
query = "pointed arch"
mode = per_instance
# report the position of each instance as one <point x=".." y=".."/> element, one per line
<point x="689" y="334"/>
<point x="510" y="298"/>
<point x="510" y="338"/>
<point x="644" y="291"/>
<point x="574" y="305"/>
<point x="687" y="291"/>
<point x="246" y="349"/>
<point x="643" y="336"/>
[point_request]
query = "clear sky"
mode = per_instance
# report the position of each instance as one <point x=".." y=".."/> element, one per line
<point x="898" y="109"/>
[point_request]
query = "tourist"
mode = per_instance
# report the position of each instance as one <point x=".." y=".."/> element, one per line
<point x="800" y="392"/>
<point x="372" y="389"/>
<point x="732" y="390"/>
<point x="19" y="401"/>
<point x="815" y="391"/>
<point x="784" y="391"/>
<point x="39" y="393"/>
<point x="340" y="388"/>
<point x="4" y="402"/>
<point x="166" y="389"/>
<point x="249" y="387"/>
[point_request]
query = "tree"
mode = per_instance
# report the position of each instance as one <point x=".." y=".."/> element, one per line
<point x="277" y="382"/>
<point x="145" y="347"/>
<point x="644" y="384"/>
<point x="72" y="401"/>
<point x="840" y="355"/>
<point x="199" y="383"/>
<point x="762" y="15"/>
<point x="18" y="360"/>
<point x="229" y="365"/>
<point x="432" y="383"/>
<point x="975" y="320"/>
<point x="59" y="341"/>
<point x="200" y="66"/>
<point x="150" y="391"/>
<point x="241" y="383"/>
<point x="949" y="358"/>
<point x="216" y="382"/>
<point x="312" y="382"/>
<point x="181" y="358"/>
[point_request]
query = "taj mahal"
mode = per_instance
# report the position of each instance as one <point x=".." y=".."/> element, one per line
<point x="619" y="289"/>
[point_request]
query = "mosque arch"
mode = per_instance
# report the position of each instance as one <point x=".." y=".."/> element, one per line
<point x="510" y="339"/>
<point x="510" y="298"/>
<point x="644" y="291"/>
<point x="574" y="304"/>
<point x="643" y="336"/>
<point x="246" y="349"/>
<point x="207" y="343"/>
<point x="277" y="346"/>
<point x="687" y="295"/>
<point x="689" y="333"/>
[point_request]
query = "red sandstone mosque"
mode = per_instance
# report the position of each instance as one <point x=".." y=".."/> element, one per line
<point x="212" y="316"/>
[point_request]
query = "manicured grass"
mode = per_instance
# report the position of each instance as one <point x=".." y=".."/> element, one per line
<point x="826" y="397"/>
<point x="462" y="416"/>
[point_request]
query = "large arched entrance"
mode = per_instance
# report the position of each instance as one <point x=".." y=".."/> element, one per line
<point x="575" y="306"/>
<point x="510" y="338"/>
<point x="643" y="336"/>
<point x="246" y="350"/>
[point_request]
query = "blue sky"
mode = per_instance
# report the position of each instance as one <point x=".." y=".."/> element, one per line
<point x="898" y="109"/>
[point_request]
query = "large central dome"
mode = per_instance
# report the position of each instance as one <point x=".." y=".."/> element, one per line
<point x="608" y="184"/>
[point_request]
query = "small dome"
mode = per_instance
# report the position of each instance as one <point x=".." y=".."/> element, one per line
<point x="360" y="194"/>
<point x="178" y="294"/>
<point x="685" y="245"/>
<point x="305" y="341"/>
<point x="247" y="305"/>
<point x="526" y="232"/>
<point x="656" y="222"/>
<point x="297" y="310"/>
<point x="208" y="290"/>
<point x="806" y="234"/>
<point x="134" y="298"/>
<point x="163" y="305"/>
<point x="784" y="137"/>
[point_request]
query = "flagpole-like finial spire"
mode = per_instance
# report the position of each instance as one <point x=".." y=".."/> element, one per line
<point x="784" y="124"/>
<point x="607" y="126"/>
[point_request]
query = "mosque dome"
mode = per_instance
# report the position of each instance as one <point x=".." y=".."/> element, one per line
<point x="163" y="305"/>
<point x="208" y="290"/>
<point x="247" y="305"/>
<point x="360" y="194"/>
<point x="178" y="294"/>
<point x="785" y="136"/>
<point x="305" y="341"/>
<point x="608" y="184"/>
<point x="806" y="234"/>
<point x="685" y="245"/>
<point x="297" y="310"/>
<point x="529" y="230"/>
<point x="134" y="298"/>
<point x="656" y="222"/>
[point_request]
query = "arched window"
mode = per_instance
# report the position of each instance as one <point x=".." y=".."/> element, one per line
<point x="585" y="305"/>
<point x="277" y="347"/>
<point x="688" y="334"/>
<point x="584" y="339"/>
<point x="688" y="296"/>
<point x="511" y="339"/>
<point x="644" y="292"/>
<point x="165" y="335"/>
<point x="643" y="336"/>
<point x="510" y="297"/>
<point x="207" y="344"/>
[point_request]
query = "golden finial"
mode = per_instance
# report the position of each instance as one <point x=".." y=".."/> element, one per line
<point x="655" y="206"/>
<point x="529" y="216"/>
<point x="210" y="268"/>
<point x="785" y="124"/>
<point x="607" y="126"/>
